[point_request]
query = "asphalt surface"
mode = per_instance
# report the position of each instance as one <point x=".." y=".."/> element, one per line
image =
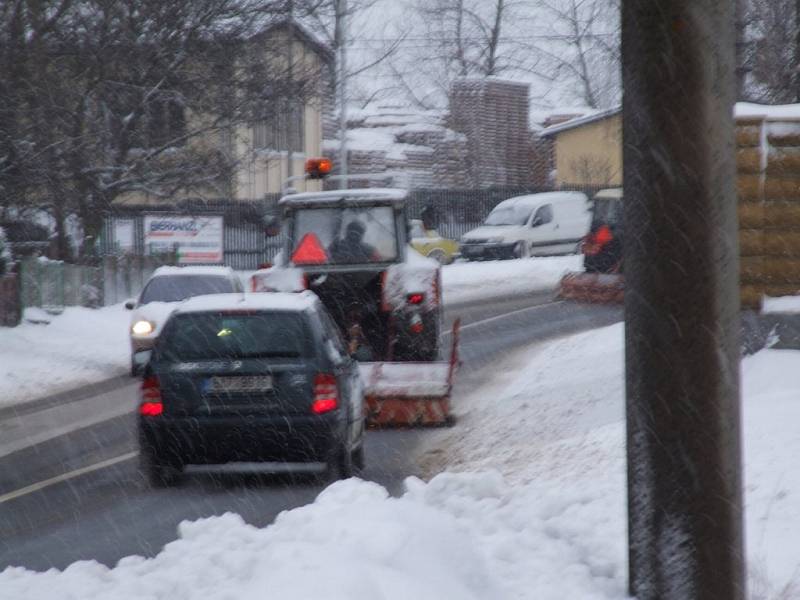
<point x="70" y="487"/>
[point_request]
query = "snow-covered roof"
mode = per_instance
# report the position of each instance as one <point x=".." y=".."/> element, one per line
<point x="194" y="270"/>
<point x="745" y="110"/>
<point x="585" y="120"/>
<point x="366" y="195"/>
<point x="381" y="139"/>
<point x="742" y="110"/>
<point x="550" y="197"/>
<point x="610" y="193"/>
<point x="265" y="301"/>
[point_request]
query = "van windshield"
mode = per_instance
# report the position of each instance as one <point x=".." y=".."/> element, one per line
<point x="509" y="215"/>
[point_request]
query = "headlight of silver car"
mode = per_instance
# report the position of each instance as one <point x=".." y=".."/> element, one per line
<point x="143" y="327"/>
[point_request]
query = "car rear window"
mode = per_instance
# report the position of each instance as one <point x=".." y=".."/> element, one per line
<point x="175" y="288"/>
<point x="204" y="336"/>
<point x="608" y="211"/>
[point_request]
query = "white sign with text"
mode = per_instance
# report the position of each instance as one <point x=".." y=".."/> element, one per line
<point x="198" y="240"/>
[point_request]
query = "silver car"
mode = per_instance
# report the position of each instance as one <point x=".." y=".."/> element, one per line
<point x="165" y="288"/>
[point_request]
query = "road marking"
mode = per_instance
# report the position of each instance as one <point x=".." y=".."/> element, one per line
<point x="504" y="315"/>
<point x="33" y="429"/>
<point x="35" y="487"/>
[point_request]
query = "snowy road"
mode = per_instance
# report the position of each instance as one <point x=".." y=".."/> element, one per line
<point x="79" y="496"/>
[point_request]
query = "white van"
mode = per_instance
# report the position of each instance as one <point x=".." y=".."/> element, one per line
<point x="533" y="225"/>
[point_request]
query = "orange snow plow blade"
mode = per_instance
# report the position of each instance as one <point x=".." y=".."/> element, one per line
<point x="600" y="288"/>
<point x="410" y="393"/>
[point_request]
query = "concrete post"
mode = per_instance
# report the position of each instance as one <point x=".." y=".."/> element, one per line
<point x="682" y="301"/>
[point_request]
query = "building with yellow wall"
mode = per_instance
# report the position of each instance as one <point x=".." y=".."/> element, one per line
<point x="588" y="150"/>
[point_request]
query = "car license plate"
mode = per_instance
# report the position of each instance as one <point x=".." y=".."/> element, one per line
<point x="240" y="385"/>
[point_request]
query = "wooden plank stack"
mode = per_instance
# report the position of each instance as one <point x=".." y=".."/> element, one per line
<point x="768" y="182"/>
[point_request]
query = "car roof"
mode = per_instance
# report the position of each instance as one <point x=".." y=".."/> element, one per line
<point x="357" y="196"/>
<point x="292" y="302"/>
<point x="215" y="271"/>
<point x="541" y="198"/>
<point x="610" y="194"/>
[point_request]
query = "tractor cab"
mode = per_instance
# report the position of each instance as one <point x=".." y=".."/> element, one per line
<point x="601" y="280"/>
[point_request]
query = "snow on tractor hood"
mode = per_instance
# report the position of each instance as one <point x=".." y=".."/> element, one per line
<point x="278" y="279"/>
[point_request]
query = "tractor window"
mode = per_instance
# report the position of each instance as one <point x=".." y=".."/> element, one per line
<point x="349" y="235"/>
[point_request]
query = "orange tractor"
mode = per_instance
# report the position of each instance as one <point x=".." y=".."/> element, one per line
<point x="601" y="281"/>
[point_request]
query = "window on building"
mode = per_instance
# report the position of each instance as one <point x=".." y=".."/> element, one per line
<point x="279" y="127"/>
<point x="166" y="123"/>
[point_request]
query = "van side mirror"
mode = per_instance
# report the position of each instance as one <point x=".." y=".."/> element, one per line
<point x="130" y="304"/>
<point x="537" y="221"/>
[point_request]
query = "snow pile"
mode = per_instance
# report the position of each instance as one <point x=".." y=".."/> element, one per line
<point x="461" y="537"/>
<point x="79" y="346"/>
<point x="553" y="418"/>
<point x="770" y="413"/>
<point x="473" y="281"/>
<point x="780" y="304"/>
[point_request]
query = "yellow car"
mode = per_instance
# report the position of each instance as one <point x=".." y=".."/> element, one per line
<point x="429" y="243"/>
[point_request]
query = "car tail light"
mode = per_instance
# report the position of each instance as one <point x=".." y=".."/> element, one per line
<point x="326" y="394"/>
<point x="603" y="235"/>
<point x="151" y="405"/>
<point x="416" y="298"/>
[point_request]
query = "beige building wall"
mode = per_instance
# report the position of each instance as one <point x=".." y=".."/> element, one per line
<point x="257" y="173"/>
<point x="264" y="172"/>
<point x="590" y="154"/>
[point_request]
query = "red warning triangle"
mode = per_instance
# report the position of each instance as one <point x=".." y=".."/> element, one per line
<point x="309" y="251"/>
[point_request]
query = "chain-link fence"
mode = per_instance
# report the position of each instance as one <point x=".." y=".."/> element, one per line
<point x="53" y="285"/>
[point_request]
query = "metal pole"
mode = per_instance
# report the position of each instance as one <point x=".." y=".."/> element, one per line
<point x="742" y="60"/>
<point x="342" y="81"/>
<point x="289" y="114"/>
<point x="681" y="301"/>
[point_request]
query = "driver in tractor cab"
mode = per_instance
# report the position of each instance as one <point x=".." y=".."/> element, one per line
<point x="353" y="249"/>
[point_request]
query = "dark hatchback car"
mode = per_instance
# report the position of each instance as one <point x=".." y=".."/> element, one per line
<point x="257" y="378"/>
